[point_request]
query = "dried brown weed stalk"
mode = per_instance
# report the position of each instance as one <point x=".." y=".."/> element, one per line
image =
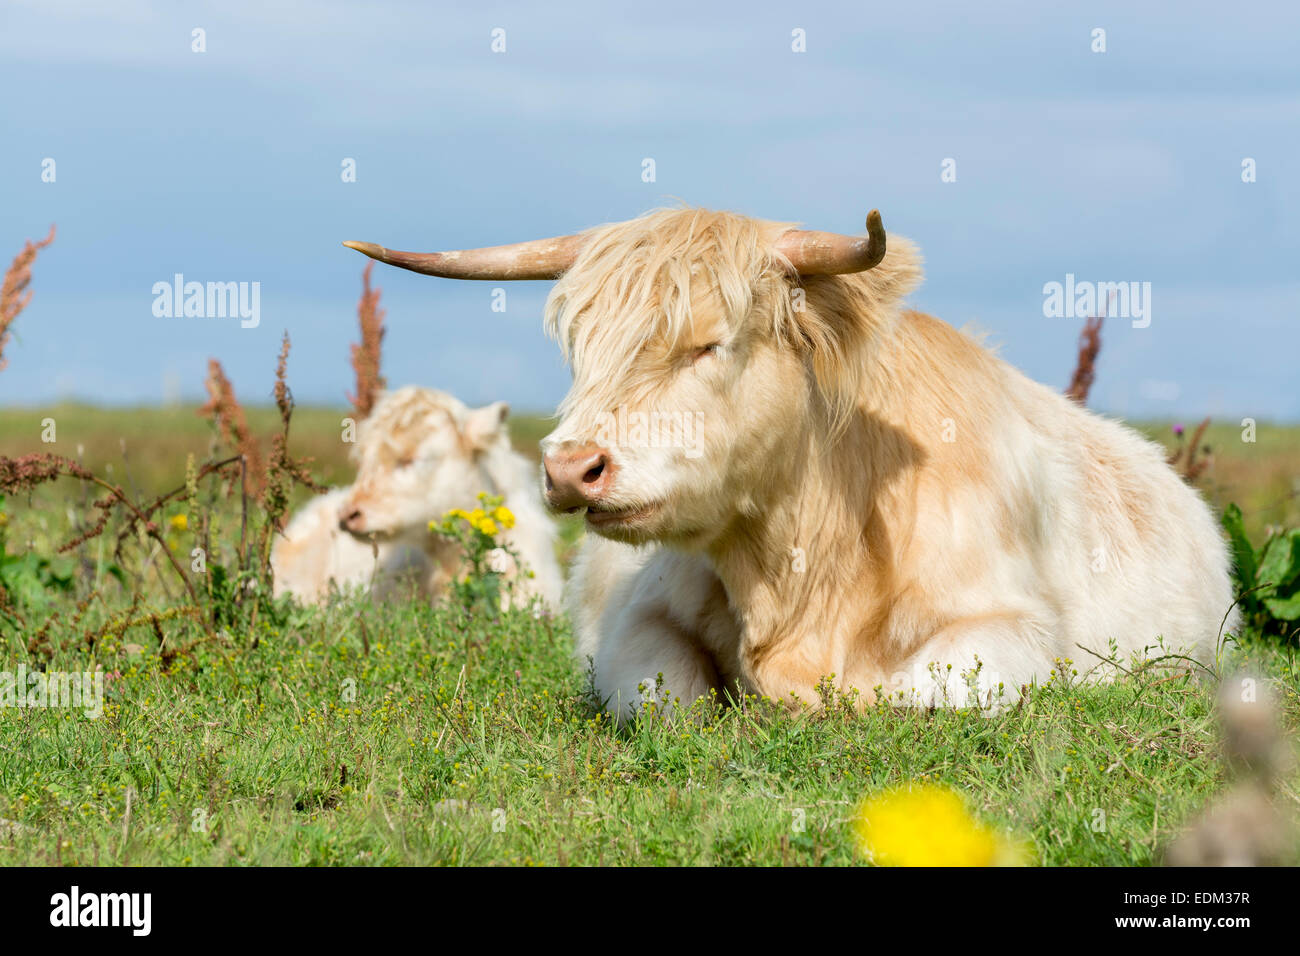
<point x="14" y="294"/>
<point x="1085" y="370"/>
<point x="224" y="409"/>
<point x="283" y="471"/>
<point x="366" y="355"/>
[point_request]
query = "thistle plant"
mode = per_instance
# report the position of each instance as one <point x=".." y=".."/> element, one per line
<point x="1190" y="458"/>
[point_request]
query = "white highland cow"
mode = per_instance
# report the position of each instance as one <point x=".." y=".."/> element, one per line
<point x="869" y="496"/>
<point x="420" y="454"/>
<point x="315" y="555"/>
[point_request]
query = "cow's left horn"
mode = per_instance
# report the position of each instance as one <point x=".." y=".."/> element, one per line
<point x="831" y="254"/>
<point x="536" y="259"/>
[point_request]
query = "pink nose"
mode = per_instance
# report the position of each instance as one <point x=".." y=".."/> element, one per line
<point x="351" y="519"/>
<point x="577" y="477"/>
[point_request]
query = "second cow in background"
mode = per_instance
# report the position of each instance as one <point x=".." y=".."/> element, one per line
<point x="420" y="454"/>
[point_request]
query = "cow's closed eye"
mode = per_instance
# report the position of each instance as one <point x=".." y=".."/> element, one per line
<point x="708" y="351"/>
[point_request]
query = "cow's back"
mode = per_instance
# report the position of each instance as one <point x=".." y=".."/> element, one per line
<point x="1037" y="504"/>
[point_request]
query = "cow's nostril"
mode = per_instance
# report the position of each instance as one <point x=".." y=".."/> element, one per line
<point x="593" y="474"/>
<point x="575" y="479"/>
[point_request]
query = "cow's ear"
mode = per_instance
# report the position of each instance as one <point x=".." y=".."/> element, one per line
<point x="484" y="425"/>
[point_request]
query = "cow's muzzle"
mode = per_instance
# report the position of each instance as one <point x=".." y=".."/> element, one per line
<point x="578" y="477"/>
<point x="352" y="519"/>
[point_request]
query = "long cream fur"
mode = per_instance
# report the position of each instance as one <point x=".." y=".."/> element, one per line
<point x="877" y="499"/>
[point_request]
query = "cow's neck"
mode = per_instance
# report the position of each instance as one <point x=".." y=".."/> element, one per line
<point x="813" y="560"/>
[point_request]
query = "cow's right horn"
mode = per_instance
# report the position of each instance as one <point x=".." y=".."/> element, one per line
<point x="831" y="254"/>
<point x="536" y="259"/>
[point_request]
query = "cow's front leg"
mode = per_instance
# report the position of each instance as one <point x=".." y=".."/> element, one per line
<point x="790" y="673"/>
<point x="646" y="657"/>
<point x="980" y="661"/>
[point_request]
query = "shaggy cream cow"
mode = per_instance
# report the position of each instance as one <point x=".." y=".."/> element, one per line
<point x="866" y="495"/>
<point x="314" y="555"/>
<point x="420" y="453"/>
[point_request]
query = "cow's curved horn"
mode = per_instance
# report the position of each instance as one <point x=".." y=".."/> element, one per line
<point x="536" y="259"/>
<point x="831" y="254"/>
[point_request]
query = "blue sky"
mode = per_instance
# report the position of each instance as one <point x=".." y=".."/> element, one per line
<point x="225" y="166"/>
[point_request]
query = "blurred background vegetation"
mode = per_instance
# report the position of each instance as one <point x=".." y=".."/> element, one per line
<point x="145" y="448"/>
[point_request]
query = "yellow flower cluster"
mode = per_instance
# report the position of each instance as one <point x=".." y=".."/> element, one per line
<point x="927" y="825"/>
<point x="496" y="509"/>
<point x="487" y="521"/>
<point x="179" y="522"/>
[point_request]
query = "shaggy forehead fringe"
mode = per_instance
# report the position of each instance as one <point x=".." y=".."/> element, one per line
<point x="401" y="415"/>
<point x="632" y="283"/>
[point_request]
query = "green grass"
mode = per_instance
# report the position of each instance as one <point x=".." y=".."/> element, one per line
<point x="471" y="740"/>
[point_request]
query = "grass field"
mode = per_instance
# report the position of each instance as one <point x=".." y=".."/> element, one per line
<point x="406" y="734"/>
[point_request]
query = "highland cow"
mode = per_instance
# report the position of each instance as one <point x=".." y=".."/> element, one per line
<point x="874" y="499"/>
<point x="420" y="453"/>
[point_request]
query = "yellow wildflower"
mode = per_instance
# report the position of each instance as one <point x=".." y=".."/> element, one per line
<point x="504" y="515"/>
<point x="179" y="522"/>
<point x="926" y="825"/>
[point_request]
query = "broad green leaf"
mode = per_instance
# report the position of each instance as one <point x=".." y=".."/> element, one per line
<point x="1243" y="555"/>
<point x="1285" y="609"/>
<point x="1279" y="561"/>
